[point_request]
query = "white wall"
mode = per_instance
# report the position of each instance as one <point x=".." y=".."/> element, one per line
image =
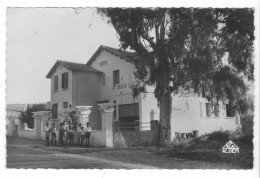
<point x="148" y="103"/>
<point x="108" y="92"/>
<point x="186" y="117"/>
<point x="113" y="63"/>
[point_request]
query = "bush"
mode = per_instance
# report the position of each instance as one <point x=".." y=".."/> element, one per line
<point x="247" y="122"/>
<point x="246" y="139"/>
<point x="219" y="135"/>
<point x="119" y="140"/>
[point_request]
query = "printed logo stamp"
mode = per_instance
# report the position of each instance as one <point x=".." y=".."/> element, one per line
<point x="230" y="147"/>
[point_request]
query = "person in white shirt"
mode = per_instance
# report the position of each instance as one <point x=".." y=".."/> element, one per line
<point x="53" y="134"/>
<point x="47" y="130"/>
<point x="87" y="131"/>
<point x="67" y="129"/>
<point x="79" y="134"/>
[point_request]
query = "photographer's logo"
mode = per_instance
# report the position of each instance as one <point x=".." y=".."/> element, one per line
<point x="230" y="147"/>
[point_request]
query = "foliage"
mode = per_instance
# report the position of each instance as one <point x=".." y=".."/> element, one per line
<point x="247" y="122"/>
<point x="119" y="140"/>
<point x="219" y="135"/>
<point x="202" y="51"/>
<point x="26" y="116"/>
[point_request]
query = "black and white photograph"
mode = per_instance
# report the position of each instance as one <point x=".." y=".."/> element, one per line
<point x="147" y="88"/>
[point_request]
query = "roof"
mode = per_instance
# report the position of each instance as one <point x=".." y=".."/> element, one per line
<point x="16" y="107"/>
<point x="129" y="56"/>
<point x="72" y="66"/>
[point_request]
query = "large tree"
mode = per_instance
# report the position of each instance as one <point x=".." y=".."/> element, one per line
<point x="207" y="52"/>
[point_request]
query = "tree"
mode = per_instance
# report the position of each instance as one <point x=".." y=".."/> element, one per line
<point x="27" y="116"/>
<point x="207" y="52"/>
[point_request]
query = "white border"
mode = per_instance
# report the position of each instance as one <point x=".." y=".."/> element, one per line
<point x="130" y="3"/>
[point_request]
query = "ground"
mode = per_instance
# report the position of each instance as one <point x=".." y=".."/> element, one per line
<point x="23" y="153"/>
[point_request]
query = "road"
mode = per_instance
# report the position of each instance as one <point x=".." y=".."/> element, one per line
<point x="28" y="154"/>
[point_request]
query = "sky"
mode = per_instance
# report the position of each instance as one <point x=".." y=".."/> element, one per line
<point x="37" y="37"/>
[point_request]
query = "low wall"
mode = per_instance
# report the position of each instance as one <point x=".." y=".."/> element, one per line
<point x="97" y="138"/>
<point x="214" y="124"/>
<point x="27" y="134"/>
<point x="137" y="137"/>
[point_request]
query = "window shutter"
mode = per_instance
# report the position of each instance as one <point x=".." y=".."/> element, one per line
<point x="67" y="80"/>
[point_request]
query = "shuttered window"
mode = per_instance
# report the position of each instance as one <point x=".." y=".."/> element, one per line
<point x="55" y="111"/>
<point x="116" y="77"/>
<point x="56" y="83"/>
<point x="65" y="80"/>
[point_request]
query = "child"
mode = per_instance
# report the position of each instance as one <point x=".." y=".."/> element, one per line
<point x="88" y="133"/>
<point x="61" y="134"/>
<point x="47" y="130"/>
<point x="53" y="134"/>
<point x="82" y="137"/>
<point x="71" y="134"/>
<point x="79" y="134"/>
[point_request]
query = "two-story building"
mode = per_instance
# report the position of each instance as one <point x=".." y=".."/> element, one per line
<point x="109" y="76"/>
<point x="73" y="84"/>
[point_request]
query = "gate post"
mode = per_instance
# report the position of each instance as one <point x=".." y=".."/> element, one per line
<point x="107" y="110"/>
<point x="40" y="118"/>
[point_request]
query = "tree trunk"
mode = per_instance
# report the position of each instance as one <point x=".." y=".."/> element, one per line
<point x="165" y="119"/>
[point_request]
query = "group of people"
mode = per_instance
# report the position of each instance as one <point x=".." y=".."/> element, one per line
<point x="66" y="133"/>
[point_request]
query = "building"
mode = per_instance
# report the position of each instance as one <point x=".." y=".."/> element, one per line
<point x="13" y="114"/>
<point x="72" y="85"/>
<point x="109" y="76"/>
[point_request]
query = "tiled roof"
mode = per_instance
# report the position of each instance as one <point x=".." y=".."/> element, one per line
<point x="72" y="66"/>
<point x="129" y="56"/>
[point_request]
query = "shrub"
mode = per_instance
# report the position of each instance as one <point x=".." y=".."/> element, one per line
<point x="119" y="140"/>
<point x="219" y="135"/>
<point x="246" y="139"/>
<point x="247" y="122"/>
<point x="180" y="143"/>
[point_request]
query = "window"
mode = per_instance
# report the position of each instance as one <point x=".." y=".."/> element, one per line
<point x="55" y="111"/>
<point x="230" y="110"/>
<point x="115" y="77"/>
<point x="56" y="83"/>
<point x="208" y="109"/>
<point x="65" y="80"/>
<point x="216" y="110"/>
<point x="65" y="105"/>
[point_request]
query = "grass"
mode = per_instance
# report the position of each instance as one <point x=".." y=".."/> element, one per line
<point x="208" y="148"/>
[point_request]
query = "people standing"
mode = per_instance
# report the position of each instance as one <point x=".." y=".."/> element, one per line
<point x="53" y="134"/>
<point x="88" y="133"/>
<point x="47" y="130"/>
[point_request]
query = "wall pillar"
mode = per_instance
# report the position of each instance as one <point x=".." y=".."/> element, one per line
<point x="107" y="110"/>
<point x="40" y="119"/>
<point x="83" y="113"/>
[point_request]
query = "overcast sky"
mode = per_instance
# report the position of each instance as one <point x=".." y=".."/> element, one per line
<point x="37" y="37"/>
